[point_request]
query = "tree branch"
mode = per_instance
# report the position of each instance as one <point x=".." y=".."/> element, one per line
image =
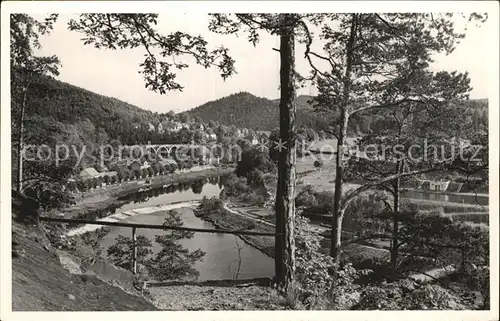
<point x="350" y="196"/>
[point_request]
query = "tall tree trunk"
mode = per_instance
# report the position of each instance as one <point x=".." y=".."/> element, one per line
<point x="20" y="142"/>
<point x="285" y="205"/>
<point x="395" y="220"/>
<point x="338" y="213"/>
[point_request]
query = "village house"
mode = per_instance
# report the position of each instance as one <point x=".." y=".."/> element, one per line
<point x="151" y="127"/>
<point x="134" y="165"/>
<point x="438" y="186"/>
<point x="167" y="161"/>
<point x="210" y="136"/>
<point x="88" y="173"/>
<point x="117" y="164"/>
<point x="196" y="126"/>
<point x="160" y="128"/>
<point x="145" y="165"/>
<point x="109" y="174"/>
<point x="171" y="126"/>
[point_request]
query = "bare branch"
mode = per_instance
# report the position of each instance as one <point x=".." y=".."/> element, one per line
<point x="350" y="196"/>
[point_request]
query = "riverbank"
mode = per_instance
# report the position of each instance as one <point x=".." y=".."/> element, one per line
<point x="109" y="197"/>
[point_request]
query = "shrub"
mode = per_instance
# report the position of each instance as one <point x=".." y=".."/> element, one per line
<point x="306" y="198"/>
<point x="315" y="202"/>
<point x="253" y="158"/>
<point x="72" y="186"/>
<point x="318" y="163"/>
<point x="255" y="177"/>
<point x="408" y="295"/>
<point x="209" y="206"/>
<point x="464" y="244"/>
<point x="316" y="285"/>
<point x="236" y="186"/>
<point x="432" y="297"/>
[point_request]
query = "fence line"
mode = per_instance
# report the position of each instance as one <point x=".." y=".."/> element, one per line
<point x="153" y="226"/>
<point x="135" y="226"/>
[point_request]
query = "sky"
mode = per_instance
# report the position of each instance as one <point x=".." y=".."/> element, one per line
<point x="115" y="73"/>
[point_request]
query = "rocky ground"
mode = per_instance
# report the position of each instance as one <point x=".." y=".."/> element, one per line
<point x="192" y="297"/>
<point x="40" y="282"/>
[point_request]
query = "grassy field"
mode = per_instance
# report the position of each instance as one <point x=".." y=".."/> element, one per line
<point x="324" y="179"/>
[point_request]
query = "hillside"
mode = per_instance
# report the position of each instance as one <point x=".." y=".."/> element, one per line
<point x="47" y="279"/>
<point x="70" y="105"/>
<point x="246" y="110"/>
<point x="41" y="283"/>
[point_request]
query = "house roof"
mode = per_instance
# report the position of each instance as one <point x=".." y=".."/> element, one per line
<point x="131" y="161"/>
<point x="167" y="161"/>
<point x="116" y="164"/>
<point x="111" y="173"/>
<point x="89" y="172"/>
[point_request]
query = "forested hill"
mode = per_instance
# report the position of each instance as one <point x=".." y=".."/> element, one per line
<point x="68" y="104"/>
<point x="111" y="118"/>
<point x="246" y="110"/>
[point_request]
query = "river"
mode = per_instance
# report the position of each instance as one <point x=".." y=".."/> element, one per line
<point x="226" y="256"/>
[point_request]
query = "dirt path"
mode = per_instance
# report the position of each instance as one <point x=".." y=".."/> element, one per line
<point x="247" y="215"/>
